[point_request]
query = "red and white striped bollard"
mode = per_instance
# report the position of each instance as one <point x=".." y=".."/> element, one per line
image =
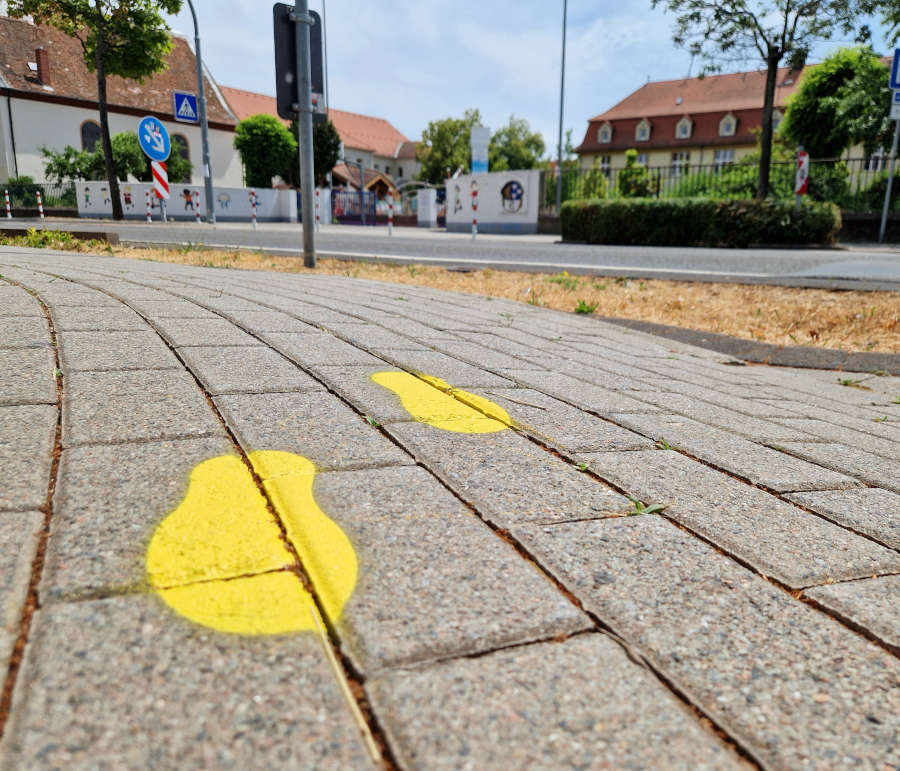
<point x="8" y="209"/>
<point x="474" y="209"/>
<point x="197" y="215"/>
<point x="253" y="208"/>
<point x="318" y="227"/>
<point x="390" y="213"/>
<point x="40" y="202"/>
<point x="147" y="197"/>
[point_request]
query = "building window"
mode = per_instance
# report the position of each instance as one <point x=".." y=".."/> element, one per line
<point x="604" y="133"/>
<point x="387" y="169"/>
<point x="642" y="131"/>
<point x="400" y="172"/>
<point x="605" y="163"/>
<point x="723" y="158"/>
<point x="90" y="135"/>
<point x="777" y="117"/>
<point x="643" y="159"/>
<point x="181" y="146"/>
<point x="683" y="128"/>
<point x="680" y="161"/>
<point x="727" y="126"/>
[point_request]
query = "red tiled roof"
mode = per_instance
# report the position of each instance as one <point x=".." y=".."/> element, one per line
<point x="247" y="103"/>
<point x="350" y="174"/>
<point x="363" y="132"/>
<point x="406" y="151"/>
<point x="71" y="80"/>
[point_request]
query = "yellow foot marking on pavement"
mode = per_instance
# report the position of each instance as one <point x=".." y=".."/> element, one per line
<point x="427" y="399"/>
<point x="214" y="558"/>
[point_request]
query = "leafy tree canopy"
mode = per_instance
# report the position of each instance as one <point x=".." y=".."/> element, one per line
<point x="771" y="31"/>
<point x="266" y="147"/>
<point x="326" y="153"/>
<point x="445" y="147"/>
<point x="843" y="101"/>
<point x="515" y="146"/>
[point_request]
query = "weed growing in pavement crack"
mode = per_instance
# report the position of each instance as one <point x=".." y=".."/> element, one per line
<point x="582" y="466"/>
<point x="585" y="307"/>
<point x="664" y="444"/>
<point x="882" y="419"/>
<point x="851" y="383"/>
<point x="896" y="400"/>
<point x="372" y="422"/>
<point x="640" y="508"/>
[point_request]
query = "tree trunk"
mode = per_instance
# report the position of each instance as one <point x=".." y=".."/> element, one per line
<point x="765" y="140"/>
<point x="105" y="140"/>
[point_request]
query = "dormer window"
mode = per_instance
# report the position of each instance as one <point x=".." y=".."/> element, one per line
<point x="727" y="126"/>
<point x="604" y="133"/>
<point x="683" y="128"/>
<point x="642" y="131"/>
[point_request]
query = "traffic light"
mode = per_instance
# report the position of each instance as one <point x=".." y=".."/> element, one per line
<point x="286" y="86"/>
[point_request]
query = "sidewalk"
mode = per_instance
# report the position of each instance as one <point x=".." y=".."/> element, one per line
<point x="298" y="521"/>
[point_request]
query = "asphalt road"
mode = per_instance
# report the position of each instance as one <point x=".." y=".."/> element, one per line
<point x="857" y="267"/>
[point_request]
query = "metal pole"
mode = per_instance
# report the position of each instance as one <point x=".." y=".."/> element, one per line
<point x="204" y="128"/>
<point x="562" y="86"/>
<point x="887" y="193"/>
<point x="325" y="57"/>
<point x="303" y="21"/>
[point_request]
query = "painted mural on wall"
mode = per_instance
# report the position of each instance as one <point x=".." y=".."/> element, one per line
<point x="507" y="202"/>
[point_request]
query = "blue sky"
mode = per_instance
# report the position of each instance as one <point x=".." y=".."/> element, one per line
<point x="411" y="63"/>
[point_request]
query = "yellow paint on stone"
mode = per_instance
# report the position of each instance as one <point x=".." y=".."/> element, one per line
<point x="218" y="558"/>
<point x="430" y="400"/>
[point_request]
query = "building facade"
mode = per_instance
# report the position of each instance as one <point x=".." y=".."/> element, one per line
<point x="48" y="98"/>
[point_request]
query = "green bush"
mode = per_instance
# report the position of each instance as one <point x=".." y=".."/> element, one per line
<point x="634" y="180"/>
<point x="698" y="222"/>
<point x="22" y="191"/>
<point x="871" y="198"/>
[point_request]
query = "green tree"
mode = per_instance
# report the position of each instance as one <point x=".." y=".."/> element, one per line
<point x="634" y="181"/>
<point x="515" y="146"/>
<point x="592" y="183"/>
<point x="326" y="153"/>
<point x="128" y="38"/>
<point x="843" y="101"/>
<point x="445" y="147"/>
<point x="266" y="147"/>
<point x="775" y="31"/>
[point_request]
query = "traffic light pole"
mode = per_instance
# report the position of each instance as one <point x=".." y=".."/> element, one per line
<point x="204" y="128"/>
<point x="302" y="21"/>
<point x="890" y="182"/>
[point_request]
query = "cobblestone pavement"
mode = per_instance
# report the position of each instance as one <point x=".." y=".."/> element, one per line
<point x="255" y="520"/>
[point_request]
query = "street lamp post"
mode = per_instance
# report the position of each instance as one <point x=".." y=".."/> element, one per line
<point x="559" y="147"/>
<point x="204" y="128"/>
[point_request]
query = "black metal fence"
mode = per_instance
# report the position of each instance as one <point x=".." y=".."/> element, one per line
<point x="23" y="195"/>
<point x="855" y="185"/>
<point x="352" y="208"/>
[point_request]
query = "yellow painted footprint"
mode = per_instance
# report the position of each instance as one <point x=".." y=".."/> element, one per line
<point x="219" y="558"/>
<point x="428" y="400"/>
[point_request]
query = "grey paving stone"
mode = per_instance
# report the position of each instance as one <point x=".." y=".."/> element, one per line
<point x="714" y="396"/>
<point x="761" y="465"/>
<point x="874" y="469"/>
<point x="26" y="451"/>
<point x="321" y="348"/>
<point x="887" y="448"/>
<point x="17" y="302"/>
<point x="587" y="396"/>
<point x="788" y="682"/>
<point x="108" y="502"/>
<point x="317" y="426"/>
<point x="753" y="428"/>
<point x="872" y="605"/>
<point x="872" y="424"/>
<point x="457" y="373"/>
<point x="26" y="376"/>
<point x="187" y="332"/>
<point x="416" y="329"/>
<point x="24" y="332"/>
<point x="354" y="383"/>
<point x="123" y="683"/>
<point x="268" y="321"/>
<point x="105" y="350"/>
<point x="373" y="337"/>
<point x="108" y="407"/>
<point x="251" y="369"/>
<point x="18" y="546"/>
<point x="778" y="539"/>
<point x="516" y="344"/>
<point x="869" y="510"/>
<point x="57" y="296"/>
<point x="577" y="704"/>
<point x="455" y="588"/>
<point x="312" y="314"/>
<point x="561" y="425"/>
<point x="507" y="477"/>
<point x="171" y="309"/>
<point x="79" y="319"/>
<point x="479" y="356"/>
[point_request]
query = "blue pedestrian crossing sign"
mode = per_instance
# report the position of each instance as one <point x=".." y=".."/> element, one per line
<point x="895" y="71"/>
<point x="185" y="107"/>
<point x="154" y="139"/>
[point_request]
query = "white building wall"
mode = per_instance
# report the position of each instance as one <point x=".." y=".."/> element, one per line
<point x="45" y="124"/>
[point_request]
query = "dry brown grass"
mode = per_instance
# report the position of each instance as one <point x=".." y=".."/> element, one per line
<point x="853" y="321"/>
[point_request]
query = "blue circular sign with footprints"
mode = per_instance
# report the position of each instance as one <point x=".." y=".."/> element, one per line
<point x="154" y="139"/>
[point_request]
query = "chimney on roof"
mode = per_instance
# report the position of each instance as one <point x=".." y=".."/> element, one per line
<point x="43" y="66"/>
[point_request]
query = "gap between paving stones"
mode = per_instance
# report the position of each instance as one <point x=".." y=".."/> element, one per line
<point x="31" y="603"/>
<point x="349" y="680"/>
<point x="554" y="452"/>
<point x="356" y="679"/>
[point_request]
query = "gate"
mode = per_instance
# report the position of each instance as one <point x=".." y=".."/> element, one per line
<point x="351" y="208"/>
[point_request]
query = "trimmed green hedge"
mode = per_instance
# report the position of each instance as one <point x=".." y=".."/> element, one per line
<point x="699" y="222"/>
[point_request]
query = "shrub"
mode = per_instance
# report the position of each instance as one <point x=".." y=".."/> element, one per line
<point x="699" y="222"/>
<point x="871" y="198"/>
<point x="22" y="191"/>
<point x="267" y="149"/>
<point x="634" y="180"/>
